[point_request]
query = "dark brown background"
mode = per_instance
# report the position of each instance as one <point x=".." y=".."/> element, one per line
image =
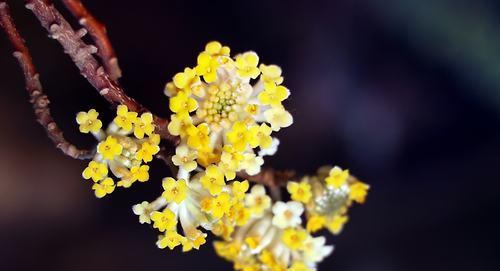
<point x="404" y="93"/>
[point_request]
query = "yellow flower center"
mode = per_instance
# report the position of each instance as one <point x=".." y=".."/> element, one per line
<point x="288" y="214"/>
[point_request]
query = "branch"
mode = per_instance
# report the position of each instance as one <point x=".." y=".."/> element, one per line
<point x="81" y="54"/>
<point x="38" y="99"/>
<point x="98" y="33"/>
<point x="269" y="177"/>
<point x="101" y="79"/>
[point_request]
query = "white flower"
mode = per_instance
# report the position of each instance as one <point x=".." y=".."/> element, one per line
<point x="288" y="214"/>
<point x="251" y="163"/>
<point x="142" y="210"/>
<point x="315" y="250"/>
<point x="257" y="200"/>
<point x="184" y="157"/>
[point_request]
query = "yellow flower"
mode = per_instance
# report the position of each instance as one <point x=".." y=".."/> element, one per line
<point x="278" y="118"/>
<point x="207" y="67"/>
<point x="239" y="214"/>
<point x="251" y="163"/>
<point x="227" y="250"/>
<point x="358" y="192"/>
<point x="175" y="191"/>
<point x="184" y="80"/>
<point x="198" y="137"/>
<point x="271" y="74"/>
<point x="146" y="152"/>
<point x="187" y="245"/>
<point x="144" y="125"/>
<point x="179" y="124"/>
<point x="88" y="121"/>
<point x="171" y="239"/>
<point x="270" y="261"/>
<point x="231" y="156"/>
<point x="127" y="179"/>
<point x="197" y="236"/>
<point x="300" y="191"/>
<point x="104" y="187"/>
<point x="315" y="223"/>
<point x="199" y="241"/>
<point x="140" y="173"/>
<point x="228" y="169"/>
<point x="170" y="89"/>
<point x="337" y="177"/>
<point x="252" y="241"/>
<point x="184" y="157"/>
<point x="142" y="210"/>
<point x="214" y="48"/>
<point x="221" y="205"/>
<point x="299" y="266"/>
<point x="207" y="157"/>
<point x="125" y="119"/>
<point x="260" y="136"/>
<point x="206" y="204"/>
<point x="337" y="223"/>
<point x="258" y="201"/>
<point x="95" y="170"/>
<point x="182" y="103"/>
<point x="109" y="148"/>
<point x="223" y="229"/>
<point x="239" y="189"/>
<point x="294" y="238"/>
<point x="165" y="220"/>
<point x="273" y="95"/>
<point x="252" y="109"/>
<point x="154" y="139"/>
<point x="246" y="65"/>
<point x="213" y="180"/>
<point x="239" y="136"/>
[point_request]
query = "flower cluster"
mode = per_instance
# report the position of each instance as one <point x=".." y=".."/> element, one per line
<point x="188" y="206"/>
<point x="220" y="117"/>
<point x="279" y="240"/>
<point x="225" y="125"/>
<point x="125" y="148"/>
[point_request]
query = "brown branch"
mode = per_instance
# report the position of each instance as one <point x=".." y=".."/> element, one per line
<point x="38" y="99"/>
<point x="98" y="33"/>
<point x="81" y="54"/>
<point x="269" y="177"/>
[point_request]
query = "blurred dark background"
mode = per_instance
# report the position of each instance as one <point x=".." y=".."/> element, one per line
<point x="406" y="94"/>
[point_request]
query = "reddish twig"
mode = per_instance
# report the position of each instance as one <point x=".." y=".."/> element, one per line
<point x="99" y="77"/>
<point x="98" y="33"/>
<point x="81" y="54"/>
<point x="38" y="99"/>
<point x="269" y="177"/>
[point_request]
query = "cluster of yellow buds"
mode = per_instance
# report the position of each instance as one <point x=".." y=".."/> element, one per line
<point x="125" y="148"/>
<point x="279" y="240"/>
